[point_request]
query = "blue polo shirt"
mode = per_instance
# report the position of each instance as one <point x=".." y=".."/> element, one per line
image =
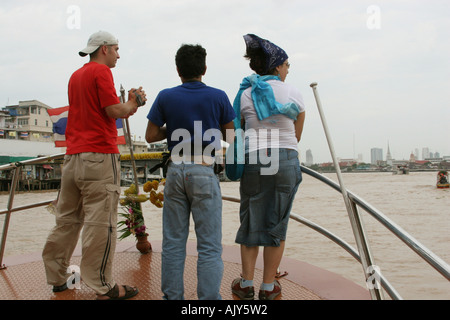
<point x="193" y="113"/>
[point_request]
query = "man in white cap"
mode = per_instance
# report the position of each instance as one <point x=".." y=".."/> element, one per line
<point x="90" y="183"/>
<point x="98" y="39"/>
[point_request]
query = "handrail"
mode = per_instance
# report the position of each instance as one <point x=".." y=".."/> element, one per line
<point x="356" y="223"/>
<point x="342" y="243"/>
<point x="16" y="166"/>
<point x="426" y="254"/>
<point x="13" y="165"/>
<point x="27" y="206"/>
<point x="383" y="281"/>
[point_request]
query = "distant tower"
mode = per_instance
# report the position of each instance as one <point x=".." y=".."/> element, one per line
<point x="360" y="157"/>
<point x="412" y="157"/>
<point x="425" y="153"/>
<point x="376" y="154"/>
<point x="416" y="153"/>
<point x="388" y="156"/>
<point x="309" y="158"/>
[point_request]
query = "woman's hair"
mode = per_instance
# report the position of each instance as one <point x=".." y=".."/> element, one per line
<point x="191" y="61"/>
<point x="258" y="61"/>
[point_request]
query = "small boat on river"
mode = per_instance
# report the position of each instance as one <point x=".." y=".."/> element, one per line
<point x="442" y="180"/>
<point x="401" y="170"/>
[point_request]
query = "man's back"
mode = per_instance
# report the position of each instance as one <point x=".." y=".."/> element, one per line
<point x="192" y="106"/>
<point x="195" y="110"/>
<point x="89" y="129"/>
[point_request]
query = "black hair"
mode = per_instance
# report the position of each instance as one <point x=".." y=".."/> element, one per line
<point x="191" y="61"/>
<point x="258" y="61"/>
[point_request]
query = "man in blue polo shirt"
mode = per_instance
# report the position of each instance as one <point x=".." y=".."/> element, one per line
<point x="193" y="117"/>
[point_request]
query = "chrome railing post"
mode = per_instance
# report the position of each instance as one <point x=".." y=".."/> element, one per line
<point x="12" y="192"/>
<point x="355" y="219"/>
<point x="371" y="269"/>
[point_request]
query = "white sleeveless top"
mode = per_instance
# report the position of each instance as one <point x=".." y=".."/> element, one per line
<point x="276" y="131"/>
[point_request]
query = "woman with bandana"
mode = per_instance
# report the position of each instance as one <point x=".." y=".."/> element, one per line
<point x="271" y="113"/>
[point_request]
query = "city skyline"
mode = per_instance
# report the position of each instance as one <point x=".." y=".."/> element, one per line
<point x="308" y="158"/>
<point x="382" y="68"/>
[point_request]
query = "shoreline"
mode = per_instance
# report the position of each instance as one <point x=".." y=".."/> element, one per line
<point x="5" y="192"/>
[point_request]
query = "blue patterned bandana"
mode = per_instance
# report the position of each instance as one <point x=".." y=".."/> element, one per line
<point x="275" y="56"/>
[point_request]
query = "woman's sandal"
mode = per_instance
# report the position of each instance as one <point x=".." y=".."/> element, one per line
<point x="113" y="294"/>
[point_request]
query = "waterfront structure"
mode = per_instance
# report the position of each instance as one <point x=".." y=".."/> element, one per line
<point x="139" y="146"/>
<point x="26" y="121"/>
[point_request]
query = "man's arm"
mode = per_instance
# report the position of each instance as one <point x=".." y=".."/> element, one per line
<point x="155" y="133"/>
<point x="123" y="110"/>
<point x="228" y="132"/>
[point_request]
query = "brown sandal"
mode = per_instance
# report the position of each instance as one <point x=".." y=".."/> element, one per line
<point x="113" y="294"/>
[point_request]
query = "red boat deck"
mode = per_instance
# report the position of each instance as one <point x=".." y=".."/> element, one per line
<point x="24" y="277"/>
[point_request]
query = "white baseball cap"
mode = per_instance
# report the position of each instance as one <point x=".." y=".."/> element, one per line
<point x="101" y="38"/>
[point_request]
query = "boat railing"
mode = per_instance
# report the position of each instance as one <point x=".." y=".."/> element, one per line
<point x="426" y="254"/>
<point x="16" y="167"/>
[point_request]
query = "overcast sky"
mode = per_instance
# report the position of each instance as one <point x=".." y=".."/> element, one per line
<point x="382" y="67"/>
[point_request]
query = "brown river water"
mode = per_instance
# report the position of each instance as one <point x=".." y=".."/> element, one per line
<point x="411" y="201"/>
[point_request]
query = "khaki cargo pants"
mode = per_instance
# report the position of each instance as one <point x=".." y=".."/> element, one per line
<point x="90" y="190"/>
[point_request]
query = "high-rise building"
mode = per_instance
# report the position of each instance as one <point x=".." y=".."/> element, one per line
<point x="376" y="154"/>
<point x="425" y="153"/>
<point x="416" y="153"/>
<point x="309" y="158"/>
<point x="360" y="157"/>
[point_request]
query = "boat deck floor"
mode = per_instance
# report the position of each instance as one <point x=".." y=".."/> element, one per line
<point x="24" y="277"/>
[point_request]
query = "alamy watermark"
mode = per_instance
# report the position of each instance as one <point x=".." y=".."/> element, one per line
<point x="374" y="17"/>
<point x="74" y="19"/>
<point x="373" y="21"/>
<point x="204" y="146"/>
<point x="74" y="280"/>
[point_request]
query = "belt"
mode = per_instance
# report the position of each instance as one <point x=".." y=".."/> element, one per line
<point x="199" y="159"/>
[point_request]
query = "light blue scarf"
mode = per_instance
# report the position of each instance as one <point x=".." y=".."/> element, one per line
<point x="263" y="100"/>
